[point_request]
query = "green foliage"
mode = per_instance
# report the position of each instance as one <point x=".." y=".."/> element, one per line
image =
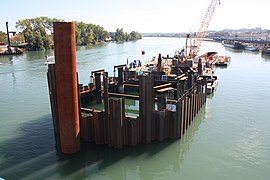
<point x="3" y="37"/>
<point x="135" y="36"/>
<point x="37" y="32"/>
<point x="18" y="38"/>
<point x="89" y="33"/>
<point x="120" y="36"/>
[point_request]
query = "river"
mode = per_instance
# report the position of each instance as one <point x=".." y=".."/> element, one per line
<point x="229" y="138"/>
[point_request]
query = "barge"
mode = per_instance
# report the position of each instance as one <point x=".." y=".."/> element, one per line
<point x="233" y="44"/>
<point x="11" y="51"/>
<point x="223" y="61"/>
<point x="266" y="51"/>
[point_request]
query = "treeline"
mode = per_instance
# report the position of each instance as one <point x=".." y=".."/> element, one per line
<point x="120" y="35"/>
<point x="38" y="33"/>
<point x="89" y="33"/>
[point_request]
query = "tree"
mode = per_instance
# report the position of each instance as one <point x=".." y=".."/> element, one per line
<point x="37" y="32"/>
<point x="18" y="38"/>
<point x="3" y="37"/>
<point x="120" y="35"/>
<point x="135" y="36"/>
<point x="89" y="33"/>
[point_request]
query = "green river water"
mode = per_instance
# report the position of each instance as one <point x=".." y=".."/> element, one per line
<point x="229" y="139"/>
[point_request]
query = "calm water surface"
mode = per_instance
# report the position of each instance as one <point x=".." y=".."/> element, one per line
<point x="228" y="140"/>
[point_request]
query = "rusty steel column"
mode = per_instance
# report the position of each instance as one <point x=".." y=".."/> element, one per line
<point x="67" y="86"/>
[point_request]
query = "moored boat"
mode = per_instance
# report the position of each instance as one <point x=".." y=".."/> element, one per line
<point x="266" y="51"/>
<point x="212" y="82"/>
<point x="11" y="51"/>
<point x="251" y="48"/>
<point x="223" y="61"/>
<point x="233" y="44"/>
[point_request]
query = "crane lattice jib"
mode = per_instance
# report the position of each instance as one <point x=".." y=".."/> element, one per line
<point x="200" y="33"/>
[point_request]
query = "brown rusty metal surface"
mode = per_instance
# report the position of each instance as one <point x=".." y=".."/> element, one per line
<point x="67" y="86"/>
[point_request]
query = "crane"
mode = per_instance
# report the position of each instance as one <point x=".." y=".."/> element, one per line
<point x="200" y="32"/>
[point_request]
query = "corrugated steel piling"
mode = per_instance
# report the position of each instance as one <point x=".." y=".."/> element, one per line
<point x="53" y="97"/>
<point x="178" y="111"/>
<point x="67" y="86"/>
<point x="106" y="104"/>
<point x="146" y="106"/>
<point x="116" y="123"/>
<point x="98" y="87"/>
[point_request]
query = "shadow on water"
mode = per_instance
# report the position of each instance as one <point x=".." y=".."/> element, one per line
<point x="32" y="149"/>
<point x="33" y="155"/>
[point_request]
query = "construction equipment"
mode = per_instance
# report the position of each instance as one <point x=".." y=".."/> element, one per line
<point x="200" y="32"/>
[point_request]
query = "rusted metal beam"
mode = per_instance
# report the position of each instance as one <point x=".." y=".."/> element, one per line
<point x="67" y="86"/>
<point x="97" y="71"/>
<point x="98" y="87"/>
<point x="120" y="66"/>
<point x="106" y="104"/>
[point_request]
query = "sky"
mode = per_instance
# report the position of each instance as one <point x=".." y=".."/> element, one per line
<point x="144" y="16"/>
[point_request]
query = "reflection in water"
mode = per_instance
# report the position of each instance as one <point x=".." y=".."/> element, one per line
<point x="94" y="161"/>
<point x="266" y="57"/>
<point x="89" y="47"/>
<point x="36" y="55"/>
<point x="7" y="59"/>
<point x="240" y="51"/>
<point x="187" y="139"/>
<point x="141" y="161"/>
<point x="210" y="96"/>
<point x="14" y="79"/>
<point x="252" y="52"/>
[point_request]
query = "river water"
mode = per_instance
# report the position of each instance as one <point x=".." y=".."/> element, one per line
<point x="229" y="139"/>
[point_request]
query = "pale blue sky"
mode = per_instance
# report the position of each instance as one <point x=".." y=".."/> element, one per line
<point x="141" y="15"/>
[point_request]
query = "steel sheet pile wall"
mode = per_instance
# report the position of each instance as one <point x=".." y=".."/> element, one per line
<point x="111" y="126"/>
<point x="150" y="125"/>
